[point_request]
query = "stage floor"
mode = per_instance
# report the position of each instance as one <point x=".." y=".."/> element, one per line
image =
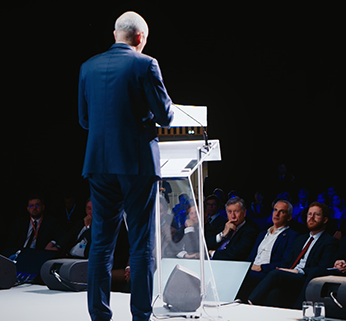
<point x="38" y="303"/>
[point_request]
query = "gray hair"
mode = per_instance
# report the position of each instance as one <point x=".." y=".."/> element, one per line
<point x="290" y="206"/>
<point x="236" y="200"/>
<point x="131" y="23"/>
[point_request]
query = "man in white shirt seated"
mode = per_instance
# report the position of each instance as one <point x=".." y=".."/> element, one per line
<point x="271" y="247"/>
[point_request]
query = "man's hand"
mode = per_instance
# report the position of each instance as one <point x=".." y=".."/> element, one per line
<point x="51" y="247"/>
<point x="340" y="265"/>
<point x="192" y="256"/>
<point x="256" y="268"/>
<point x="127" y="274"/>
<point x="188" y="223"/>
<point x="228" y="227"/>
<point x="288" y="270"/>
<point x="88" y="220"/>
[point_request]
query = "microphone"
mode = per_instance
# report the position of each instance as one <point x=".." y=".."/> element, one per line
<point x="205" y="134"/>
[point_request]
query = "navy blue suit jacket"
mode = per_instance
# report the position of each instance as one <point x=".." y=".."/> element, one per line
<point x="322" y="254"/>
<point x="281" y="248"/>
<point x="240" y="246"/>
<point x="121" y="97"/>
<point x="49" y="230"/>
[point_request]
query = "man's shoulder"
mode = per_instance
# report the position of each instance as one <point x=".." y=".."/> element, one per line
<point x="251" y="226"/>
<point x="290" y="232"/>
<point x="328" y="239"/>
<point x="117" y="51"/>
<point x="250" y="229"/>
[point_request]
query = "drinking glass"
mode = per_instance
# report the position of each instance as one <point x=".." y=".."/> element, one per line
<point x="319" y="311"/>
<point x="308" y="310"/>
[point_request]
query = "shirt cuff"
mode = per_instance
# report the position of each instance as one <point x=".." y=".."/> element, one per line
<point x="300" y="271"/>
<point x="181" y="254"/>
<point x="219" y="237"/>
<point x="189" y="229"/>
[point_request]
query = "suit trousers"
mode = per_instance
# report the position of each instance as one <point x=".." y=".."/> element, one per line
<point x="110" y="195"/>
<point x="278" y="289"/>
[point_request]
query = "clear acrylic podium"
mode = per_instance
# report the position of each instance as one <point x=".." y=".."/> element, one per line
<point x="184" y="283"/>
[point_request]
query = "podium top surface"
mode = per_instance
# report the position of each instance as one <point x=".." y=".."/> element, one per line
<point x="180" y="158"/>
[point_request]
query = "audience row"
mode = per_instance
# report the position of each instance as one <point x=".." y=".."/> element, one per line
<point x="270" y="238"/>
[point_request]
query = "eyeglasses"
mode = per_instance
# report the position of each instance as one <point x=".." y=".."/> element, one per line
<point x="34" y="205"/>
<point x="211" y="204"/>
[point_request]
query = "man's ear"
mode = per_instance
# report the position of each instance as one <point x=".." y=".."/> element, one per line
<point x="115" y="35"/>
<point x="137" y="39"/>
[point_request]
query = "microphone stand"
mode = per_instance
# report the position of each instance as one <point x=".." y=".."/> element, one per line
<point x="205" y="134"/>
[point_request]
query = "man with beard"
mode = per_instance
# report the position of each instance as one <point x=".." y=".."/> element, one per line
<point x="36" y="231"/>
<point x="281" y="287"/>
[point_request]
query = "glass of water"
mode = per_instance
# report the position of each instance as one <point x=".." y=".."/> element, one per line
<point x="319" y="311"/>
<point x="308" y="310"/>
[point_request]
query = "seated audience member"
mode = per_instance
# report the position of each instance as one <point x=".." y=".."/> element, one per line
<point x="165" y="189"/>
<point x="303" y="203"/>
<point x="322" y="198"/>
<point x="213" y="221"/>
<point x="189" y="244"/>
<point x="235" y="240"/>
<point x="77" y="241"/>
<point x="259" y="212"/>
<point x="168" y="246"/>
<point x="233" y="193"/>
<point x="331" y="191"/>
<point x="70" y="214"/>
<point x="271" y="247"/>
<point x="179" y="211"/>
<point x="37" y="230"/>
<point x="337" y="216"/>
<point x="220" y="194"/>
<point x="338" y="269"/>
<point x="281" y="287"/>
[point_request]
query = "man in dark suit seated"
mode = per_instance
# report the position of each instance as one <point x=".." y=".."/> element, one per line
<point x="77" y="241"/>
<point x="281" y="287"/>
<point x="213" y="220"/>
<point x="36" y="231"/>
<point x="271" y="248"/>
<point x="235" y="241"/>
<point x="338" y="269"/>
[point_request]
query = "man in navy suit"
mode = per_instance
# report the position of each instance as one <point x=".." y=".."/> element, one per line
<point x="37" y="231"/>
<point x="237" y="237"/>
<point x="281" y="287"/>
<point x="338" y="269"/>
<point x="271" y="248"/>
<point x="121" y="97"/>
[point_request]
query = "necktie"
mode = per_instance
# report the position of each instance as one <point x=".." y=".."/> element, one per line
<point x="32" y="235"/>
<point x="301" y="254"/>
<point x="225" y="241"/>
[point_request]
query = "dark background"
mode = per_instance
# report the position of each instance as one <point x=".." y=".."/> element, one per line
<point x="272" y="78"/>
